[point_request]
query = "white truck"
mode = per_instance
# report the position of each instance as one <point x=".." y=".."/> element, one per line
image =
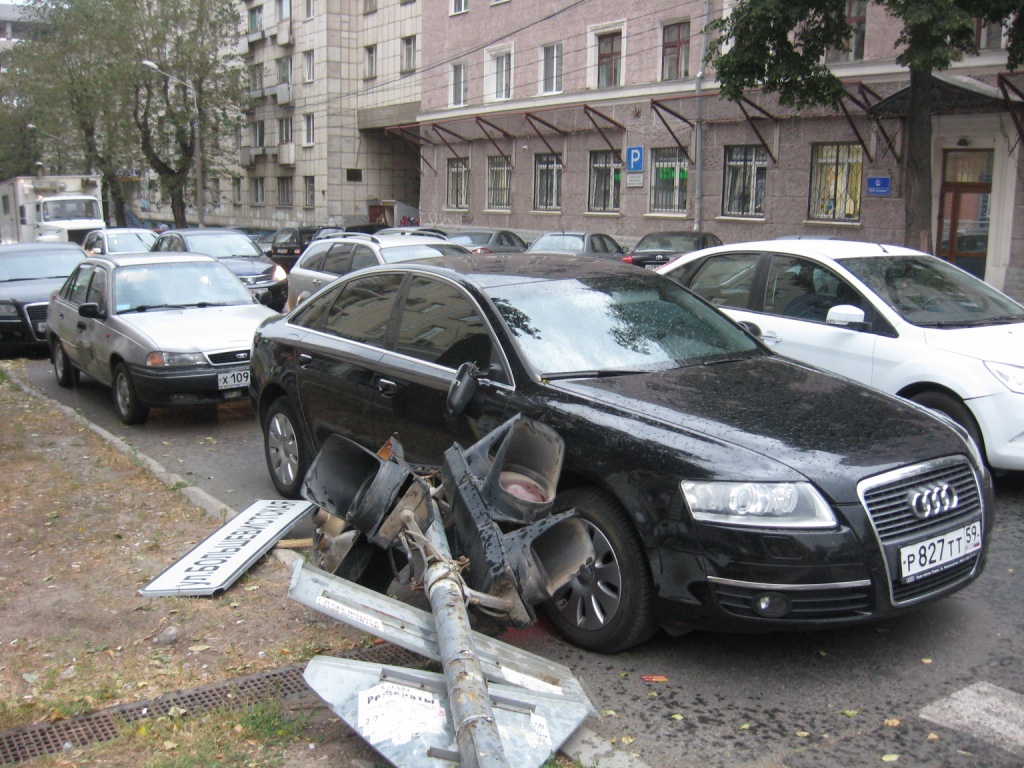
<point x="52" y="209"/>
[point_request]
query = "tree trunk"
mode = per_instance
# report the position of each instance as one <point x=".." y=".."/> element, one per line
<point x="917" y="179"/>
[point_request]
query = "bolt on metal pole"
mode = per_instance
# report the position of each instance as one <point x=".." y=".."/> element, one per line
<point x="476" y="731"/>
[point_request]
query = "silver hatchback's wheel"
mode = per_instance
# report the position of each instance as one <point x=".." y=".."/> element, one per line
<point x="285" y="448"/>
<point x="65" y="373"/>
<point x="126" y="401"/>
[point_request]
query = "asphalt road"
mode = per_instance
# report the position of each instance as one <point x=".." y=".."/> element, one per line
<point x="943" y="686"/>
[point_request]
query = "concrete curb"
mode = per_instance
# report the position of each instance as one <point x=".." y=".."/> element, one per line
<point x="584" y="746"/>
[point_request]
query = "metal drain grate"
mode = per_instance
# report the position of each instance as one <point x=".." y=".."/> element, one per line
<point x="27" y="742"/>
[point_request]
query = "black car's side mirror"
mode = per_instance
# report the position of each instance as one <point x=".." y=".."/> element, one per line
<point x="91" y="310"/>
<point x="462" y="389"/>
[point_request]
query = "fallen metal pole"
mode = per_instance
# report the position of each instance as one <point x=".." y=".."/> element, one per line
<point x="476" y="731"/>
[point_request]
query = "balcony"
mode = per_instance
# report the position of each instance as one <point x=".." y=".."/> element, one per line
<point x="286" y="154"/>
<point x="284" y="93"/>
<point x="245" y="157"/>
<point x="284" y="32"/>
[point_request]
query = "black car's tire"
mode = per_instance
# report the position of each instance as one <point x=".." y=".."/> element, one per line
<point x="65" y="373"/>
<point x="285" y="448"/>
<point x="610" y="608"/>
<point x="126" y="400"/>
<point x="956" y="410"/>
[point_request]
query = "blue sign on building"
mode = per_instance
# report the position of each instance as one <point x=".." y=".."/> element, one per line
<point x="879" y="186"/>
<point x="634" y="159"/>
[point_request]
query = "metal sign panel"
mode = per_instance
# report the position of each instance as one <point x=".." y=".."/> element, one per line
<point x="220" y="559"/>
<point x="879" y="186"/>
<point x="634" y="159"/>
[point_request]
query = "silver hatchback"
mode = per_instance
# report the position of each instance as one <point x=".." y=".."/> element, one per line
<point x="160" y="329"/>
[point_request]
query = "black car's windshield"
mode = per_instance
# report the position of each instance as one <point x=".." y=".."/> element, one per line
<point x="615" y="325"/>
<point x="930" y="292"/>
<point x="182" y="284"/>
<point x="669" y="241"/>
<point x="35" y="266"/>
<point x="223" y="245"/>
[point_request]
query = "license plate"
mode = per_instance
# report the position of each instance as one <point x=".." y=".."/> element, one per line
<point x="932" y="554"/>
<point x="654" y="266"/>
<point x="233" y="379"/>
<point x="41" y="328"/>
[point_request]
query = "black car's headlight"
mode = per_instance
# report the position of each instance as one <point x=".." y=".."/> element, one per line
<point x="765" y="505"/>
<point x="7" y="310"/>
<point x="175" y="359"/>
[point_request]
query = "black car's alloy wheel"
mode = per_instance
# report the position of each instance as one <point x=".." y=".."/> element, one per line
<point x="608" y="607"/>
<point x="126" y="401"/>
<point x="285" y="448"/>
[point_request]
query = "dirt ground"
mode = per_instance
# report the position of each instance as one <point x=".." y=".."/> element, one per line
<point x="84" y="527"/>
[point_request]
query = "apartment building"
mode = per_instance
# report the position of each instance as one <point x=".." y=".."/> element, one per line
<point x="589" y="114"/>
<point x="327" y="77"/>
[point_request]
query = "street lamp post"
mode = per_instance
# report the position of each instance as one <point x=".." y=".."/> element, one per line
<point x="60" y="159"/>
<point x="197" y="136"/>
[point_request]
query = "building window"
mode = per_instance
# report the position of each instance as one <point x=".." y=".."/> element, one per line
<point x="836" y="177"/>
<point x="458" y="183"/>
<point x="460" y="85"/>
<point x="669" y="172"/>
<point x="257" y="133"/>
<point x="284" y="10"/>
<point x="307" y="61"/>
<point x="309" y="186"/>
<point x="309" y="9"/>
<point x="675" y="51"/>
<point x="605" y="170"/>
<point x="284" y="69"/>
<point x="856" y="17"/>
<point x="307" y="130"/>
<point x="236" y="190"/>
<point x="460" y="6"/>
<point x="988" y="35"/>
<point x="215" y="191"/>
<point x="409" y="54"/>
<point x="502" y="64"/>
<point x="609" y="59"/>
<point x="256" y="77"/>
<point x="499" y="183"/>
<point x="284" y="191"/>
<point x="354" y="175"/>
<point x="369" y="6"/>
<point x="256" y="19"/>
<point x="745" y="170"/>
<point x="547" y="182"/>
<point x="370" y="61"/>
<point x="284" y="130"/>
<point x="259" y="191"/>
<point x="551" y="68"/>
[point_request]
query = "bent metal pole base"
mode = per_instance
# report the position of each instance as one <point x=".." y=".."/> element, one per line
<point x="537" y="704"/>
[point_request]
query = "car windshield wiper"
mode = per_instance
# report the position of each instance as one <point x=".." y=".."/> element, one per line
<point x="147" y="307"/>
<point x="597" y="373"/>
<point x="205" y="304"/>
<point x="981" y="321"/>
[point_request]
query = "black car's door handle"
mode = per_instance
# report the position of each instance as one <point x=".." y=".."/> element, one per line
<point x="305" y="360"/>
<point x="386" y="387"/>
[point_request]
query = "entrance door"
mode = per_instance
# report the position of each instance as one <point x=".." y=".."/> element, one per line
<point x="964" y="211"/>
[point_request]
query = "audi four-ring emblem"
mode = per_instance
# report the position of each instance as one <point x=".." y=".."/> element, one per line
<point x="929" y="502"/>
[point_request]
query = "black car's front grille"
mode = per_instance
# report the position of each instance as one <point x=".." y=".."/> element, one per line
<point x="36" y="315"/>
<point x="233" y="357"/>
<point x="807" y="604"/>
<point x="889" y="501"/>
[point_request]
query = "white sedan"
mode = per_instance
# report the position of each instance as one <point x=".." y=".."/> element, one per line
<point x="900" y="320"/>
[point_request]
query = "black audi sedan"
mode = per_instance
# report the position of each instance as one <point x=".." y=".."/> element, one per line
<point x="265" y="280"/>
<point x="723" y="486"/>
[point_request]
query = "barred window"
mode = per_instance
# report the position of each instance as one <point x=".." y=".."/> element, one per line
<point x="547" y="182"/>
<point x="458" y="183"/>
<point x="309" y="182"/>
<point x="746" y="168"/>
<point x="669" y="172"/>
<point x="605" y="173"/>
<point x="836" y="176"/>
<point x="284" y="191"/>
<point x="499" y="182"/>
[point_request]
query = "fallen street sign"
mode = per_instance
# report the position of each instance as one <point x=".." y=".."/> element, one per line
<point x="220" y="559"/>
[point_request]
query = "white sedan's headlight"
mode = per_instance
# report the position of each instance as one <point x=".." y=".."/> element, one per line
<point x="1010" y="375"/>
<point x="764" y="505"/>
<point x="8" y="310"/>
<point x="174" y="359"/>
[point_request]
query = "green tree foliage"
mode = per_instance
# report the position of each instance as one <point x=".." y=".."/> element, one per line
<point x="780" y="46"/>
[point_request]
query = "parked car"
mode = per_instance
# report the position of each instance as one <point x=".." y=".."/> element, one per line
<point x="489" y="240"/>
<point x="723" y="485"/>
<point x="898" y="319"/>
<point x="326" y="260"/>
<point x="118" y="240"/>
<point x="416" y="230"/>
<point x="593" y="244"/>
<point x="160" y="329"/>
<point x="288" y="244"/>
<point x="366" y="229"/>
<point x="29" y="274"/>
<point x="267" y="280"/>
<point x="657" y="248"/>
